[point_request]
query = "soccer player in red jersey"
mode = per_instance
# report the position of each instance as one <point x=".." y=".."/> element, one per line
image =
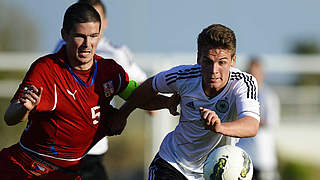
<point x="63" y="96"/>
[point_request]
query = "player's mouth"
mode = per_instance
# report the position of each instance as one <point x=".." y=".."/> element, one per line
<point x="84" y="52"/>
<point x="213" y="80"/>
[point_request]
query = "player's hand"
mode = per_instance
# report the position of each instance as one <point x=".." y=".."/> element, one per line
<point x="210" y="119"/>
<point x="115" y="123"/>
<point x="173" y="103"/>
<point x="31" y="97"/>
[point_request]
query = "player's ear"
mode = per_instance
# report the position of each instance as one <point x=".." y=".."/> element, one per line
<point x="64" y="34"/>
<point x="198" y="58"/>
<point x="233" y="60"/>
<point x="105" y="23"/>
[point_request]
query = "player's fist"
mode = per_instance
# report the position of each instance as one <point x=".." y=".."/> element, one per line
<point x="31" y="97"/>
<point x="210" y="119"/>
<point x="115" y="122"/>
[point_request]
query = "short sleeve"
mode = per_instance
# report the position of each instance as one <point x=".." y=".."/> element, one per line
<point x="247" y="97"/>
<point x="122" y="78"/>
<point x="38" y="75"/>
<point x="166" y="81"/>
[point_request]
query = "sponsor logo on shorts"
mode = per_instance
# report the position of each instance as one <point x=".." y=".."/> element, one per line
<point x="38" y="169"/>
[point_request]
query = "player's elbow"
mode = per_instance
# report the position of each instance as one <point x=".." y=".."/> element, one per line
<point x="254" y="128"/>
<point x="8" y="120"/>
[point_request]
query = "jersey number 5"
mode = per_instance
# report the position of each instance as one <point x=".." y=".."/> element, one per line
<point x="95" y="114"/>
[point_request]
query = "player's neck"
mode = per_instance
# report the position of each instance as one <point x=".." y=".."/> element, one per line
<point x="211" y="92"/>
<point x="78" y="65"/>
<point x="83" y="67"/>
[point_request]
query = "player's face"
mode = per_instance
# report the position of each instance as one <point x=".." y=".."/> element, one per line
<point x="215" y="64"/>
<point x="81" y="43"/>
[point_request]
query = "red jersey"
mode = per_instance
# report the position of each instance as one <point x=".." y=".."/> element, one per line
<point x="66" y="121"/>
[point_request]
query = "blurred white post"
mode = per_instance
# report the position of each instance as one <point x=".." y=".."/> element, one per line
<point x="160" y="127"/>
<point x="160" y="124"/>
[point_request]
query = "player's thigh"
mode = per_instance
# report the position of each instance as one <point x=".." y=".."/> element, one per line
<point x="93" y="168"/>
<point x="162" y="170"/>
<point x="10" y="168"/>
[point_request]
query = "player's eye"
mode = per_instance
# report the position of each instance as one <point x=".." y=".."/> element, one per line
<point x="76" y="35"/>
<point x="94" y="35"/>
<point x="222" y="62"/>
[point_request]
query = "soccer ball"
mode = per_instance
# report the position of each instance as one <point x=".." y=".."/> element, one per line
<point x="228" y="163"/>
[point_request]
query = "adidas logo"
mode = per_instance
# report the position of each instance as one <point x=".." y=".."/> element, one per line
<point x="190" y="105"/>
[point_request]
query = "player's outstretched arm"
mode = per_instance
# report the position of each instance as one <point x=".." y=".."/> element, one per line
<point x="140" y="97"/>
<point x="145" y="97"/>
<point x="18" y="110"/>
<point x="164" y="102"/>
<point x="243" y="127"/>
<point x="137" y="98"/>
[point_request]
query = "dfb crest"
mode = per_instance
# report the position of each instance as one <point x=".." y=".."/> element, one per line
<point x="222" y="106"/>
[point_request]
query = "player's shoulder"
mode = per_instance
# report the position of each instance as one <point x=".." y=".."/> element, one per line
<point x="185" y="70"/>
<point x="46" y="61"/>
<point x="107" y="63"/>
<point x="103" y="60"/>
<point x="236" y="75"/>
<point x="183" y="74"/>
<point x="240" y="81"/>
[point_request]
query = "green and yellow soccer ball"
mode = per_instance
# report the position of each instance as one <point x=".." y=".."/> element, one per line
<point x="228" y="163"/>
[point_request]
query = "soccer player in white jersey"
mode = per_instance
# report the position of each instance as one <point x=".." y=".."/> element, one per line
<point x="216" y="100"/>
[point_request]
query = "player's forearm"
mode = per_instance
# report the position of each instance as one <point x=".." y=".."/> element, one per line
<point x="243" y="127"/>
<point x="158" y="102"/>
<point x="15" y="113"/>
<point x="141" y="96"/>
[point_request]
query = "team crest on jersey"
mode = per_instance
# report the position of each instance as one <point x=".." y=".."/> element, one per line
<point x="222" y="106"/>
<point x="108" y="88"/>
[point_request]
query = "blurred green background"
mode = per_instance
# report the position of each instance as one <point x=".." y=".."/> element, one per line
<point x="32" y="27"/>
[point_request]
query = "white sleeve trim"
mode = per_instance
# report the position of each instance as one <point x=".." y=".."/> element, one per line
<point x="55" y="98"/>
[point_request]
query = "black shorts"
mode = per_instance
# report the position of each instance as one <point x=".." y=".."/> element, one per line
<point x="162" y="170"/>
<point x="93" y="169"/>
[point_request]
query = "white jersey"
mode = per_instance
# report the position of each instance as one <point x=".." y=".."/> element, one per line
<point x="187" y="147"/>
<point x="123" y="56"/>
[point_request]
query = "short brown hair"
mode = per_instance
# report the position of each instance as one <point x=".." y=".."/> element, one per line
<point x="95" y="3"/>
<point x="217" y="36"/>
<point x="79" y="13"/>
